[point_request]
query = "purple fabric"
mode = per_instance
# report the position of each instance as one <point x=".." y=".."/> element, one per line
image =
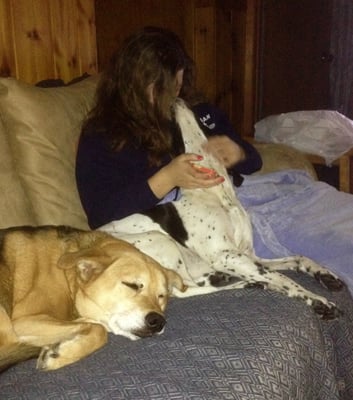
<point x="292" y="214"/>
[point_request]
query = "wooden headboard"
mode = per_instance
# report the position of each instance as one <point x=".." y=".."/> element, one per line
<point x="41" y="39"/>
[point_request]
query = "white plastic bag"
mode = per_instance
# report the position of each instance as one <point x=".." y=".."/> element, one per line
<point x="328" y="134"/>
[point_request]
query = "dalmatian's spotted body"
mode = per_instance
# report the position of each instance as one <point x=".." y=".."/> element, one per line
<point x="207" y="237"/>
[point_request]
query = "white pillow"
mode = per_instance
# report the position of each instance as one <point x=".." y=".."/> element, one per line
<point x="326" y="133"/>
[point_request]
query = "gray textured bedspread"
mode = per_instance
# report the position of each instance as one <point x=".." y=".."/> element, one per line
<point x="237" y="344"/>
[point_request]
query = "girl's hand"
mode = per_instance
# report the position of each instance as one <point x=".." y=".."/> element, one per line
<point x="228" y="152"/>
<point x="182" y="172"/>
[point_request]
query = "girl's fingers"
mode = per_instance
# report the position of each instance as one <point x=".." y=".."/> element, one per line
<point x="208" y="182"/>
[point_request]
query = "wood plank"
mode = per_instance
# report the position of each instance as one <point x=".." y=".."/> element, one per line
<point x="205" y="51"/>
<point x="133" y="15"/>
<point x="74" y="33"/>
<point x="87" y="42"/>
<point x="252" y="21"/>
<point x="245" y="23"/>
<point x="224" y="79"/>
<point x="33" y="40"/>
<point x="41" y="39"/>
<point x="65" y="38"/>
<point x="344" y="173"/>
<point x="7" y="55"/>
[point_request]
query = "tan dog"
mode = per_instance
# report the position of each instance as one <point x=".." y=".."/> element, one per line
<point x="62" y="290"/>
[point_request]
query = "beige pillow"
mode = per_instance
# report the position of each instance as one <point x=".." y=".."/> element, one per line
<point x="15" y="208"/>
<point x="277" y="157"/>
<point x="43" y="127"/>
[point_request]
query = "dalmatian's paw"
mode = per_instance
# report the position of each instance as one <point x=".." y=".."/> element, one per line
<point x="220" y="279"/>
<point x="326" y="311"/>
<point x="330" y="281"/>
<point x="256" y="285"/>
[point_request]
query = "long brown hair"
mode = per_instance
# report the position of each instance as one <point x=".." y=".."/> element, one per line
<point x="123" y="111"/>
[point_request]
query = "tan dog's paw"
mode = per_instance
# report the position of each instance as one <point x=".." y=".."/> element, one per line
<point x="49" y="358"/>
<point x="90" y="338"/>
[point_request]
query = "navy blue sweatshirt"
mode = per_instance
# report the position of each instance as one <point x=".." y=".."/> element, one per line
<point x="113" y="185"/>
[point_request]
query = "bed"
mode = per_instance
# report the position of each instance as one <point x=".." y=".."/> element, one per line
<point x="238" y="344"/>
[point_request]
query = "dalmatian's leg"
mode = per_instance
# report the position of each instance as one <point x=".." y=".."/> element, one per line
<point x="165" y="250"/>
<point x="254" y="273"/>
<point x="188" y="264"/>
<point x="306" y="265"/>
<point x="204" y="288"/>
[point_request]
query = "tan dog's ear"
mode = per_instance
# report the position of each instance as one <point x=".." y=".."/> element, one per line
<point x="175" y="280"/>
<point x="89" y="262"/>
<point x="88" y="268"/>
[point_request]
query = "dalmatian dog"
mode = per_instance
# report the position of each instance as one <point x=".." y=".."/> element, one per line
<point x="206" y="236"/>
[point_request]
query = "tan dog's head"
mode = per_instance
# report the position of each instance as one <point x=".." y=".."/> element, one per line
<point x="121" y="288"/>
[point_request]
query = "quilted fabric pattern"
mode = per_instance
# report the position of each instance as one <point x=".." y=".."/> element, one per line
<point x="239" y="345"/>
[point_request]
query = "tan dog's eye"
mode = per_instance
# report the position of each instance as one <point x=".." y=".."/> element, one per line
<point x="161" y="296"/>
<point x="133" y="286"/>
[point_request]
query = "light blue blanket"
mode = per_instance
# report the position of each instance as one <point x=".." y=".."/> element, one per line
<point x="292" y="214"/>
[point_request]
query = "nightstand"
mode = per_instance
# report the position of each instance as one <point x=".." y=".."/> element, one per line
<point x="345" y="168"/>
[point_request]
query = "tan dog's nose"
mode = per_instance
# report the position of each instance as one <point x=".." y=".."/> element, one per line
<point x="155" y="322"/>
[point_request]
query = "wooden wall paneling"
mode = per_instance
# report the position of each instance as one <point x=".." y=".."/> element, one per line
<point x="33" y="40"/>
<point x="87" y="41"/>
<point x="224" y="61"/>
<point x="238" y="54"/>
<point x="116" y="19"/>
<point x="7" y="56"/>
<point x="187" y="29"/>
<point x="65" y="38"/>
<point x="205" y="50"/>
<point x="251" y="62"/>
<point x="226" y="57"/>
<point x="43" y="39"/>
<point x="220" y="35"/>
<point x="295" y="56"/>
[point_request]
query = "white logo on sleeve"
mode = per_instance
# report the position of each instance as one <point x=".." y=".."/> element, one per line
<point x="206" y="121"/>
